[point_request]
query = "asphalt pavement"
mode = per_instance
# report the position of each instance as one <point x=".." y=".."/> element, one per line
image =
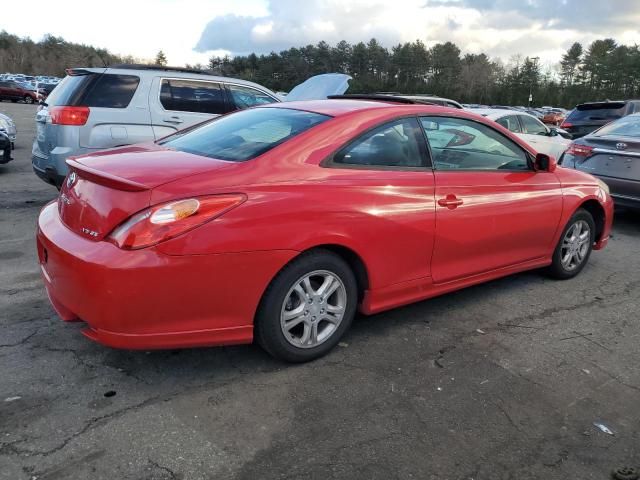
<point x="499" y="381"/>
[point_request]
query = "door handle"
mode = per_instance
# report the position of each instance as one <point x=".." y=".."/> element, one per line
<point x="450" y="201"/>
<point x="175" y="120"/>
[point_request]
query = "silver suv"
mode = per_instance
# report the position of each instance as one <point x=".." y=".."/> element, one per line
<point x="97" y="108"/>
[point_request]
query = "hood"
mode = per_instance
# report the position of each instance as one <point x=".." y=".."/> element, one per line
<point x="319" y="87"/>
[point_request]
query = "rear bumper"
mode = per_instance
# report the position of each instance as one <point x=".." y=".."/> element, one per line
<point x="145" y="299"/>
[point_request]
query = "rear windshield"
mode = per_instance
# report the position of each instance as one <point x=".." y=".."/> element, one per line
<point x="625" y="127"/>
<point x="244" y="135"/>
<point x="95" y="90"/>
<point x="597" y="111"/>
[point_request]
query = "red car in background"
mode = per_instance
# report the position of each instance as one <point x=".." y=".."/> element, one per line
<point x="554" y="117"/>
<point x="277" y="223"/>
<point x="10" y="90"/>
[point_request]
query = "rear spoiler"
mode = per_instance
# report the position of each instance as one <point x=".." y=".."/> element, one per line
<point x="106" y="179"/>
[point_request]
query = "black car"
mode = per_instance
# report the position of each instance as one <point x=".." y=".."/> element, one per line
<point x="587" y="117"/>
<point x="612" y="154"/>
<point x="5" y="148"/>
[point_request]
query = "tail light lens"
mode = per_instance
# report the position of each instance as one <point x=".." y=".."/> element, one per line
<point x="69" y="115"/>
<point x="566" y="125"/>
<point x="578" y="150"/>
<point x="169" y="220"/>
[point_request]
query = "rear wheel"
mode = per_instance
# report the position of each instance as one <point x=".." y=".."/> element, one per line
<point x="307" y="308"/>
<point x="575" y="245"/>
<point x="28" y="99"/>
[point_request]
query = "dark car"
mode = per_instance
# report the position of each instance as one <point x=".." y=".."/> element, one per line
<point x="587" y="117"/>
<point x="611" y="153"/>
<point x="44" y="89"/>
<point x="10" y="90"/>
<point x="5" y="148"/>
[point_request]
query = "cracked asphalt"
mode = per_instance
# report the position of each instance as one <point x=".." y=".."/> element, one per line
<point x="499" y="381"/>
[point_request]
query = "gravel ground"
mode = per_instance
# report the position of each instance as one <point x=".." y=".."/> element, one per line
<point x="499" y="381"/>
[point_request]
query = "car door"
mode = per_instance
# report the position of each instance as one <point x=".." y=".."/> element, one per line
<point x="177" y="103"/>
<point x="539" y="136"/>
<point x="493" y="210"/>
<point x="3" y="90"/>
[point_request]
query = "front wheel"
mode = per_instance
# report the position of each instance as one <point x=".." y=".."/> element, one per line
<point x="28" y="99"/>
<point x="575" y="245"/>
<point x="307" y="307"/>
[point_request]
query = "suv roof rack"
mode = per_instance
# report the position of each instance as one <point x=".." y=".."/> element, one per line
<point x="380" y="98"/>
<point x="143" y="66"/>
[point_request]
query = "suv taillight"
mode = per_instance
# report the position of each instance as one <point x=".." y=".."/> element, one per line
<point x="69" y="115"/>
<point x="566" y="125"/>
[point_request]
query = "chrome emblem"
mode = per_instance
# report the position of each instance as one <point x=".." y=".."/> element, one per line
<point x="621" y="146"/>
<point x="91" y="233"/>
<point x="71" y="179"/>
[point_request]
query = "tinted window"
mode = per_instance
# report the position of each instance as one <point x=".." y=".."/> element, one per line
<point x="246" y="134"/>
<point x="626" y="127"/>
<point x="245" y="97"/>
<point x="532" y="126"/>
<point x="112" y="91"/>
<point x="192" y="96"/>
<point x="395" y="144"/>
<point x="510" y="123"/>
<point x="95" y="90"/>
<point x="597" y="111"/>
<point x="458" y="144"/>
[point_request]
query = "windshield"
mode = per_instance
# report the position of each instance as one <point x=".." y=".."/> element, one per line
<point x="625" y="127"/>
<point x="597" y="111"/>
<point x="244" y="135"/>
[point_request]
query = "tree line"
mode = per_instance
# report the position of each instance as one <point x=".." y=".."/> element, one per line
<point x="603" y="70"/>
<point x="599" y="71"/>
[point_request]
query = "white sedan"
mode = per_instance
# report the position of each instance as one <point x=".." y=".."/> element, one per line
<point x="541" y="137"/>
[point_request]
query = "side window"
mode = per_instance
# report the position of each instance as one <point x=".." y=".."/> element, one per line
<point x="112" y="91"/>
<point x="510" y="122"/>
<point x="532" y="126"/>
<point x="459" y="144"/>
<point x="245" y="97"/>
<point x="192" y="96"/>
<point x="396" y="144"/>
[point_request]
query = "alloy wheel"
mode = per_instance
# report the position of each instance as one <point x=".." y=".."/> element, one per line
<point x="575" y="245"/>
<point x="313" y="309"/>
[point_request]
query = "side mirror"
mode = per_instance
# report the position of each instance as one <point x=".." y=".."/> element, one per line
<point x="544" y="163"/>
<point x="553" y="132"/>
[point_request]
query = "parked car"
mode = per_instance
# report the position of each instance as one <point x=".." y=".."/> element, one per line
<point x="8" y="127"/>
<point x="45" y="89"/>
<point x="544" y="139"/>
<point x="611" y="153"/>
<point x="12" y="90"/>
<point x="278" y="222"/>
<point x="555" y="116"/>
<point x="5" y="148"/>
<point x="97" y="108"/>
<point x="588" y="117"/>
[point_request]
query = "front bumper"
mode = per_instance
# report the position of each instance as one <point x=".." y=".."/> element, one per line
<point x="145" y="299"/>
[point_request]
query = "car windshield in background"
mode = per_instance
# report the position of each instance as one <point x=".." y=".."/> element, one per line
<point x="244" y="135"/>
<point x="625" y="127"/>
<point x="597" y="111"/>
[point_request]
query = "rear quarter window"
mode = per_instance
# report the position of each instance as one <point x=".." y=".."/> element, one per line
<point x="95" y="90"/>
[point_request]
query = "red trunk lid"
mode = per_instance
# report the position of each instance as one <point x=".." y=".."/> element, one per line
<point x="104" y="189"/>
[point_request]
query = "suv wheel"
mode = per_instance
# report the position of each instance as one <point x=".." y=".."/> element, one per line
<point x="28" y="99"/>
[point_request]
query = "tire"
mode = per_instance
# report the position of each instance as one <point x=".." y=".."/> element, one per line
<point x="28" y="99"/>
<point x="13" y="100"/>
<point x="285" y="297"/>
<point x="577" y="251"/>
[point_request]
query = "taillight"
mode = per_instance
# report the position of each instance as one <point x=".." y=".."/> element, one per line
<point x="169" y="220"/>
<point x="578" y="150"/>
<point x="566" y="125"/>
<point x="69" y="115"/>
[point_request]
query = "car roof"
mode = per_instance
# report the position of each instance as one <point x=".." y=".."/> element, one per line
<point x="339" y="107"/>
<point x="169" y="72"/>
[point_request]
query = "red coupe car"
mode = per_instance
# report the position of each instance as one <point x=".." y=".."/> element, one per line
<point x="279" y="222"/>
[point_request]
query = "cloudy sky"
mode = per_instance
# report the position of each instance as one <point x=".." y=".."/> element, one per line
<point x="190" y="31"/>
